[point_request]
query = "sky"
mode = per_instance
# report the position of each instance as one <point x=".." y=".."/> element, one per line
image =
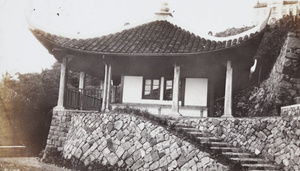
<point x="21" y="52"/>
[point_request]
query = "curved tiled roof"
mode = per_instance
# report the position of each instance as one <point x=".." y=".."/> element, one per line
<point x="157" y="37"/>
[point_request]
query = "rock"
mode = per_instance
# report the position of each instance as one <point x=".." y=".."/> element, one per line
<point x="118" y="125"/>
<point x="160" y="137"/>
<point x="181" y="161"/>
<point x="286" y="162"/>
<point x="154" y="165"/>
<point x="148" y="157"/>
<point x="292" y="56"/>
<point x="141" y="126"/>
<point x="137" y="165"/>
<point x="109" y="126"/>
<point x="174" y="155"/>
<point x="155" y="156"/>
<point x="105" y="151"/>
<point x="120" y="135"/>
<point x="120" y="151"/>
<point x="136" y="155"/>
<point x="110" y="144"/>
<point x="85" y="147"/>
<point x="78" y="153"/>
<point x="112" y="159"/>
<point x="262" y="136"/>
<point x="129" y="161"/>
<point x="237" y="121"/>
<point x="204" y="161"/>
<point x="215" y="122"/>
<point x="257" y="152"/>
<point x="126" y="145"/>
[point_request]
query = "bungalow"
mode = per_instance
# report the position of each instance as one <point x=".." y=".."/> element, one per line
<point x="159" y="65"/>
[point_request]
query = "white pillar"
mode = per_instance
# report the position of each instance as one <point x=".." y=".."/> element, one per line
<point x="82" y="80"/>
<point x="81" y="88"/>
<point x="104" y="89"/>
<point x="101" y="88"/>
<point x="62" y="84"/>
<point x="228" y="91"/>
<point x="107" y="108"/>
<point x="162" y="87"/>
<point x="175" y="97"/>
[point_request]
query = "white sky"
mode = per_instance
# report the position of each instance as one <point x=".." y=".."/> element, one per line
<point x="21" y="52"/>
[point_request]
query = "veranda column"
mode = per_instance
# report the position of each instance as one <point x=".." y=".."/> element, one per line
<point x="104" y="89"/>
<point x="113" y="94"/>
<point x="162" y="85"/>
<point x="228" y="91"/>
<point x="62" y="84"/>
<point x="107" y="108"/>
<point x="81" y="87"/>
<point x="175" y="97"/>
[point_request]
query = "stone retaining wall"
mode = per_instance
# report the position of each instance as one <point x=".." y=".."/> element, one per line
<point x="126" y="141"/>
<point x="60" y="124"/>
<point x="276" y="138"/>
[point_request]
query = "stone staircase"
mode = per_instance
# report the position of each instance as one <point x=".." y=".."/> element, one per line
<point x="247" y="160"/>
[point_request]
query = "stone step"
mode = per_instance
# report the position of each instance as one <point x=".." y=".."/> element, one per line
<point x="238" y="154"/>
<point x="220" y="144"/>
<point x="184" y="126"/>
<point x="189" y="129"/>
<point x="199" y="134"/>
<point x="250" y="160"/>
<point x="209" y="139"/>
<point x="227" y="149"/>
<point x="260" y="166"/>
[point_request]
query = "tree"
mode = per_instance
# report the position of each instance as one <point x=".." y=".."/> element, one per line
<point x="26" y="103"/>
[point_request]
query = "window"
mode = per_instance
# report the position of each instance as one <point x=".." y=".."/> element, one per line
<point x="151" y="89"/>
<point x="168" y="92"/>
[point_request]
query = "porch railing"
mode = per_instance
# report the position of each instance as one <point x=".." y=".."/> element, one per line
<point x="84" y="99"/>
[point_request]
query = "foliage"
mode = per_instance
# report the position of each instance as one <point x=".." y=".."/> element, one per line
<point x="233" y="31"/>
<point x="26" y="102"/>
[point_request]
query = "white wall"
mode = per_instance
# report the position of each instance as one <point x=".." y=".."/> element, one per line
<point x="195" y="92"/>
<point x="132" y="90"/>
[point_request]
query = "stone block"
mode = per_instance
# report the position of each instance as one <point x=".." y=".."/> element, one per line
<point x="120" y="151"/>
<point x="129" y="161"/>
<point x="85" y="147"/>
<point x="78" y="153"/>
<point x="181" y="160"/>
<point x="154" y="166"/>
<point x="174" y="155"/>
<point x="118" y="125"/>
<point x="291" y="55"/>
<point x="131" y="150"/>
<point x="136" y="155"/>
<point x="160" y="137"/>
<point x="262" y="136"/>
<point x="172" y="165"/>
<point x="112" y="158"/>
<point x="109" y="126"/>
<point x="137" y="165"/>
<point x="141" y="126"/>
<point x="155" y="156"/>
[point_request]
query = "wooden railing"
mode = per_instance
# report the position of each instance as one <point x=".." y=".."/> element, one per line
<point x="84" y="99"/>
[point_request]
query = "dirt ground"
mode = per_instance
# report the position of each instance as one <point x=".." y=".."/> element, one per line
<point x="26" y="164"/>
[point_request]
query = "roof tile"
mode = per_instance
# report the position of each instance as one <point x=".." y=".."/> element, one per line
<point x="154" y="37"/>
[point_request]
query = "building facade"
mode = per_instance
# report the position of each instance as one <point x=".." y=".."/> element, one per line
<point x="157" y="65"/>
